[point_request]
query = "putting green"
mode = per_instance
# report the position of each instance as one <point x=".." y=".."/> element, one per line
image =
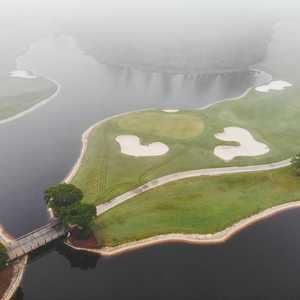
<point x="170" y="125"/>
<point x="105" y="172"/>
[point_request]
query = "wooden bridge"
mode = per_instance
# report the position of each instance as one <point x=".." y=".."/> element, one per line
<point x="35" y="239"/>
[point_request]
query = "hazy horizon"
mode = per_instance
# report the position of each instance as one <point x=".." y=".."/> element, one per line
<point x="176" y="34"/>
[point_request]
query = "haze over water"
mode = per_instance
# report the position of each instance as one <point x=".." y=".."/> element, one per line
<point x="116" y="56"/>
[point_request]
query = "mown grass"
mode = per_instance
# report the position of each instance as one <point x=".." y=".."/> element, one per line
<point x="197" y="205"/>
<point x="163" y="124"/>
<point x="273" y="118"/>
<point x="20" y="94"/>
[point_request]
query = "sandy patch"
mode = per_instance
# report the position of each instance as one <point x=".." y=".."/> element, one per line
<point x="170" y="110"/>
<point x="248" y="145"/>
<point x="273" y="85"/>
<point x="131" y="145"/>
<point x="21" y="74"/>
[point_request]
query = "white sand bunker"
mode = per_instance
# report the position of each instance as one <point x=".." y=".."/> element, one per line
<point x="131" y="145"/>
<point x="21" y="74"/>
<point x="274" y="85"/>
<point x="170" y="110"/>
<point x="248" y="145"/>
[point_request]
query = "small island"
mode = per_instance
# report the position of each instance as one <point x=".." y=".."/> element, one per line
<point x="196" y="175"/>
<point x="21" y="92"/>
<point x="158" y="175"/>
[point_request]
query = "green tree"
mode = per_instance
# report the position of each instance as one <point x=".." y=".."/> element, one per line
<point x="3" y="257"/>
<point x="296" y="163"/>
<point x="80" y="215"/>
<point x="62" y="195"/>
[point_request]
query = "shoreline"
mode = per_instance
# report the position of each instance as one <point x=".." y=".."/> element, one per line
<point x="19" y="267"/>
<point x="195" y="239"/>
<point x="244" y="94"/>
<point x="19" y="270"/>
<point x="87" y="132"/>
<point x="36" y="106"/>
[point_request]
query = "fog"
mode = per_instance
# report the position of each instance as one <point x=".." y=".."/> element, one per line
<point x="168" y="34"/>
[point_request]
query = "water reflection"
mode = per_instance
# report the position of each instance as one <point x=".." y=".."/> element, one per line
<point x="261" y="262"/>
<point x="78" y="259"/>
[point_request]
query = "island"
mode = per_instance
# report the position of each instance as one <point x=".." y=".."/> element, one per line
<point x="195" y="175"/>
<point x="22" y="91"/>
<point x="159" y="175"/>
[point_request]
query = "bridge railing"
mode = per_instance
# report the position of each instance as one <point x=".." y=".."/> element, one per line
<point x="30" y="243"/>
<point x="52" y="224"/>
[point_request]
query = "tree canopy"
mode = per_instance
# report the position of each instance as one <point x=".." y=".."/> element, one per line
<point x="80" y="214"/>
<point x="62" y="195"/>
<point x="65" y="200"/>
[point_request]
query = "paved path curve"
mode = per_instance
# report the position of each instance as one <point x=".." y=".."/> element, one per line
<point x="102" y="208"/>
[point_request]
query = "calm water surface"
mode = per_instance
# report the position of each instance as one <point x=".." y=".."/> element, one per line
<point x="38" y="151"/>
<point x="261" y="262"/>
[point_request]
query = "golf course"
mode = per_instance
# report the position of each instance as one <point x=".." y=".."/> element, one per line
<point x="129" y="150"/>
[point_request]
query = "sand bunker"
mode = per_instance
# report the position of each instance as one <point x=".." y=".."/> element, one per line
<point x="170" y="110"/>
<point x="131" y="145"/>
<point x="248" y="145"/>
<point x="273" y="85"/>
<point x="21" y="74"/>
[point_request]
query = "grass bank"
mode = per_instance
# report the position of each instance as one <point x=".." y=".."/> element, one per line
<point x="105" y="172"/>
<point x="19" y="94"/>
<point x="197" y="205"/>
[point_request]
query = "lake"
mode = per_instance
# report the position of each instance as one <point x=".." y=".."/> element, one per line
<point x="39" y="149"/>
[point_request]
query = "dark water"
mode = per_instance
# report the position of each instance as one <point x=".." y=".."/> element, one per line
<point x="39" y="150"/>
<point x="262" y="262"/>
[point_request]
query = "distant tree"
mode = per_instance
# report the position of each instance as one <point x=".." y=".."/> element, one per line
<point x="62" y="195"/>
<point x="80" y="215"/>
<point x="296" y="163"/>
<point x="3" y="257"/>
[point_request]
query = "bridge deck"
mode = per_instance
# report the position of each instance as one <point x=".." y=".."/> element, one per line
<point x="35" y="239"/>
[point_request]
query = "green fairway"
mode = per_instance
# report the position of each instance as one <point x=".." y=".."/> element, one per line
<point x="19" y="94"/>
<point x="197" y="205"/>
<point x="106" y="172"/>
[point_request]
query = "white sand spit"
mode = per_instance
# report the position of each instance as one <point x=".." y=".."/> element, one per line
<point x="248" y="145"/>
<point x="170" y="110"/>
<point x="273" y="85"/>
<point x="131" y="145"/>
<point x="21" y="74"/>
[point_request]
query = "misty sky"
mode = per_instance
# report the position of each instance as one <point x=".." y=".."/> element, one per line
<point x="156" y="29"/>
